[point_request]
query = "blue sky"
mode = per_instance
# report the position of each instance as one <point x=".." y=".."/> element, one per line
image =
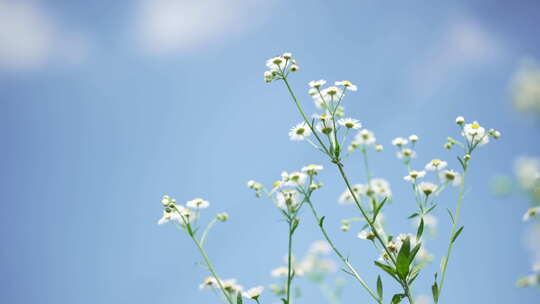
<point x="106" y="107"/>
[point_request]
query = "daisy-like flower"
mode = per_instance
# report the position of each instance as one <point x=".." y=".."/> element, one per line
<point x="424" y="256"/>
<point x="450" y="176"/>
<point x="332" y="92"/>
<point x="413" y="138"/>
<point x="399" y="142"/>
<point x="350" y="123"/>
<point x="231" y="286"/>
<point x="347" y="84"/>
<point x="325" y="127"/>
<point x="532" y="212"/>
<point x="287" y="199"/>
<point x="254" y="185"/>
<point x="460" y="120"/>
<point x="346" y="198"/>
<point x="529" y="280"/>
<point x="379" y="148"/>
<point x="406" y="153"/>
<point x="427" y="188"/>
<point x="436" y="165"/>
<point x="294" y="178"/>
<point x="209" y="282"/>
<point x="475" y="134"/>
<point x="198" y="203"/>
<point x="317" y="84"/>
<point x="176" y="213"/>
<point x="280" y="272"/>
<point x="300" y="132"/>
<point x="413" y="175"/>
<point x="253" y="293"/>
<point x="380" y="187"/>
<point x="167" y="200"/>
<point x="366" y="235"/>
<point x="365" y="137"/>
<point x="312" y="169"/>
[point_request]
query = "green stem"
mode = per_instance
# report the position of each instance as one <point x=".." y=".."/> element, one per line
<point x="289" y="262"/>
<point x="205" y="233"/>
<point x="341" y="257"/>
<point x="454" y="229"/>
<point x="211" y="269"/>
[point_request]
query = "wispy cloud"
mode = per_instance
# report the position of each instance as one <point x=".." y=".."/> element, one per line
<point x="168" y="26"/>
<point x="462" y="44"/>
<point x="30" y="38"/>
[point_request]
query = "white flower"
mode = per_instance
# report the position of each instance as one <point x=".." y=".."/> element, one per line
<point x="350" y="123"/>
<point x="380" y="187"/>
<point x="287" y="199"/>
<point x="293" y="179"/>
<point x="413" y="175"/>
<point x="399" y="142"/>
<point x="300" y="132"/>
<point x="346" y="197"/>
<point x="230" y="285"/>
<point x="413" y="138"/>
<point x="197" y="203"/>
<point x="177" y="213"/>
<point x="347" y="84"/>
<point x="450" y="176"/>
<point x="529" y="280"/>
<point x="379" y="148"/>
<point x="526" y="88"/>
<point x="253" y="293"/>
<point x="320" y="247"/>
<point x="317" y="83"/>
<point x="427" y="188"/>
<point x="254" y="185"/>
<point x="208" y="283"/>
<point x="365" y="137"/>
<point x="531" y="213"/>
<point x="325" y="126"/>
<point x="460" y="120"/>
<point x="424" y="256"/>
<point x="312" y="169"/>
<point x="366" y="235"/>
<point x="280" y="272"/>
<point x="475" y="134"/>
<point x="429" y="221"/>
<point x="277" y="63"/>
<point x="436" y="164"/>
<point x="167" y="200"/>
<point x="406" y="153"/>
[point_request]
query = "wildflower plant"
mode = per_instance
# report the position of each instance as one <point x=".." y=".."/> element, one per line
<point x="400" y="257"/>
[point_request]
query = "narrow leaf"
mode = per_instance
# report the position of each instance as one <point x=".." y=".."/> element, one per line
<point x="403" y="259"/>
<point x="321" y="221"/>
<point x="239" y="298"/>
<point x="386" y="268"/>
<point x="413" y="215"/>
<point x="451" y="216"/>
<point x="379" y="287"/>
<point x="435" y="292"/>
<point x="430" y="208"/>
<point x="457" y="234"/>
<point x="420" y="229"/>
<point x="415" y="251"/>
<point x="397" y="298"/>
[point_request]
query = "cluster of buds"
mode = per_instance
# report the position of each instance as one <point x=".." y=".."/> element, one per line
<point x="255" y="186"/>
<point x="279" y="67"/>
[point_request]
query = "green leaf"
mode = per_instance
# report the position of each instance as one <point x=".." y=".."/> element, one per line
<point x="415" y="251"/>
<point x="413" y="215"/>
<point x="321" y="221"/>
<point x="379" y="287"/>
<point x="451" y="216"/>
<point x="435" y="291"/>
<point x="397" y="298"/>
<point x="284" y="300"/>
<point x="462" y="163"/>
<point x="386" y="268"/>
<point x="239" y="298"/>
<point x="378" y="209"/>
<point x="403" y="259"/>
<point x="457" y="234"/>
<point x="430" y="208"/>
<point x="420" y="229"/>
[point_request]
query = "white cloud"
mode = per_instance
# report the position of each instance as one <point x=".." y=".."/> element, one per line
<point x="462" y="44"/>
<point x="166" y="26"/>
<point x="30" y="38"/>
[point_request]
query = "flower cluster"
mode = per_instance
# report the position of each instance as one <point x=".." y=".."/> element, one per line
<point x="279" y="67"/>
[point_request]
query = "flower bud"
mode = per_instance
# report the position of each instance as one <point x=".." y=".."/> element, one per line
<point x="379" y="148"/>
<point x="222" y="217"/>
<point x="460" y="120"/>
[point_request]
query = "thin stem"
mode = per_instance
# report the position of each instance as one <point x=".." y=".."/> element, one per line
<point x="366" y="165"/>
<point x="257" y="300"/>
<point x="454" y="227"/>
<point x="289" y="262"/>
<point x="205" y="232"/>
<point x="341" y="257"/>
<point x="211" y="268"/>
